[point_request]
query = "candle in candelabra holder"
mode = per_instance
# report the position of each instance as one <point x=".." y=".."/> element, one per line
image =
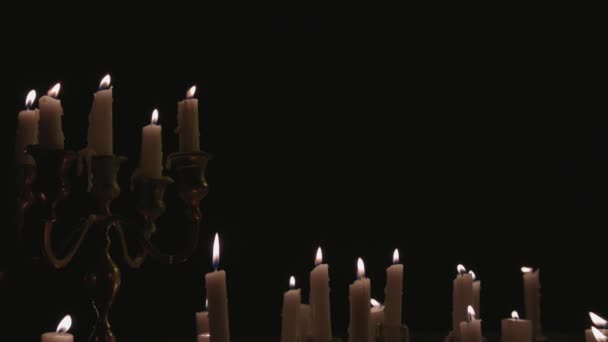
<point x="476" y="293"/>
<point x="376" y="314"/>
<point x="462" y="296"/>
<point x="50" y="132"/>
<point x="290" y="317"/>
<point x="532" y="296"/>
<point x="202" y="320"/>
<point x="27" y="130"/>
<point x="215" y="282"/>
<point x="359" y="299"/>
<point x="61" y="335"/>
<point x="187" y="123"/>
<point x="515" y="329"/>
<point x="319" y="299"/>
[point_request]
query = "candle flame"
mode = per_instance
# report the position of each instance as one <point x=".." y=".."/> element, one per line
<point x="206" y="304"/>
<point x="375" y="303"/>
<point x="216" y="251"/>
<point x="292" y="282"/>
<point x="460" y="269"/>
<point x="53" y="92"/>
<point x="597" y="320"/>
<point x="65" y="324"/>
<point x="206" y="335"/>
<point x="191" y="92"/>
<point x="396" y="256"/>
<point x="319" y="257"/>
<point x="514" y="315"/>
<point x="105" y="82"/>
<point x="526" y="269"/>
<point x="471" y="313"/>
<point x="599" y="336"/>
<point x="360" y="268"/>
<point x="473" y="275"/>
<point x="31" y="97"/>
<point x="154" y="119"/>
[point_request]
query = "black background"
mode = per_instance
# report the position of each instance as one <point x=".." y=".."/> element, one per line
<point x="455" y="137"/>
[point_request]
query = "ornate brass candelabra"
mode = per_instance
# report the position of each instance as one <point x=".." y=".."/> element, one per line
<point x="48" y="184"/>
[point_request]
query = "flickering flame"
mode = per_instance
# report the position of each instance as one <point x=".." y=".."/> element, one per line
<point x="375" y="303"/>
<point x="460" y="269"/>
<point x="360" y="268"/>
<point x="206" y="304"/>
<point x="319" y="257"/>
<point x="526" y="269"/>
<point x="65" y="324"/>
<point x="292" y="282"/>
<point x="154" y="119"/>
<point x="599" y="336"/>
<point x="514" y="315"/>
<point x="191" y="92"/>
<point x="31" y="97"/>
<point x="471" y="313"/>
<point x="53" y="92"/>
<point x="473" y="275"/>
<point x="396" y="256"/>
<point x="216" y="251"/>
<point x="105" y="82"/>
<point x="597" y="320"/>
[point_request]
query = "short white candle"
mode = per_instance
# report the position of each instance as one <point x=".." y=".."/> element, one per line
<point x="359" y="294"/>
<point x="100" y="139"/>
<point x="377" y="317"/>
<point x="27" y="130"/>
<point x="202" y="320"/>
<point x="151" y="162"/>
<point x="187" y="123"/>
<point x="532" y="298"/>
<point x="319" y="299"/>
<point x="476" y="293"/>
<point x="50" y="132"/>
<point x="291" y="313"/>
<point x="219" y="328"/>
<point x="61" y="335"/>
<point x="462" y="296"/>
<point x="470" y="331"/>
<point x="516" y="330"/>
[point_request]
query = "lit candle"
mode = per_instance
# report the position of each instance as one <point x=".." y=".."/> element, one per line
<point x="27" y="129"/>
<point x="291" y="313"/>
<point x="462" y="296"/>
<point x="476" y="293"/>
<point x="594" y="334"/>
<point x="377" y="317"/>
<point x="532" y="299"/>
<point x="516" y="330"/>
<point x="100" y="120"/>
<point x="319" y="300"/>
<point x="305" y="323"/>
<point x="50" y="133"/>
<point x="359" y="294"/>
<point x="470" y="331"/>
<point x="218" y="300"/>
<point x="61" y="335"/>
<point x="394" y="291"/>
<point x="203" y="337"/>
<point x="202" y="320"/>
<point x="151" y="164"/>
<point x="187" y="122"/>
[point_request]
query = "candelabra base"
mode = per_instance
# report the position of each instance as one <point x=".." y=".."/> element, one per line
<point x="453" y="337"/>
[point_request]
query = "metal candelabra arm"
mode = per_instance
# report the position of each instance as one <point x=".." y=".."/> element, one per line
<point x="61" y="262"/>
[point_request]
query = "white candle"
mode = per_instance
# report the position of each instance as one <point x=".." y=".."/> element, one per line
<point x="218" y="299"/>
<point x="462" y="296"/>
<point x="27" y="130"/>
<point x="470" y="331"/>
<point x="595" y="335"/>
<point x="187" y="123"/>
<point x="359" y="294"/>
<point x="532" y="299"/>
<point x="61" y="335"/>
<point x="394" y="292"/>
<point x="476" y="293"/>
<point x="377" y="317"/>
<point x="151" y="162"/>
<point x="319" y="300"/>
<point x="202" y="320"/>
<point x="50" y="133"/>
<point x="100" y="120"/>
<point x="516" y="330"/>
<point x="291" y="313"/>
<point x="203" y="337"/>
<point x="305" y="322"/>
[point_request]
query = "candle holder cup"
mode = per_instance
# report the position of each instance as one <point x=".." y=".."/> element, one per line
<point x="101" y="227"/>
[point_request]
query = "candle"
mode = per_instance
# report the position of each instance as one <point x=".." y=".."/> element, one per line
<point x="151" y="165"/>
<point x="291" y="313"/>
<point x="202" y="320"/>
<point x="27" y="130"/>
<point x="532" y="299"/>
<point x="203" y="337"/>
<point x="100" y="120"/>
<point x="394" y="292"/>
<point x="470" y="331"/>
<point x="187" y="122"/>
<point x="61" y="335"/>
<point x="218" y="300"/>
<point x="516" y="330"/>
<point x="319" y="300"/>
<point x="50" y="133"/>
<point x="305" y="323"/>
<point x="462" y="296"/>
<point x="594" y="334"/>
<point x="377" y="317"/>
<point x="476" y="292"/>
<point x="359" y="295"/>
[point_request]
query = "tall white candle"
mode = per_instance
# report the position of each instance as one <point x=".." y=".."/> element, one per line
<point x="27" y="130"/>
<point x="291" y="313"/>
<point x="470" y="331"/>
<point x="476" y="293"/>
<point x="100" y="139"/>
<point x="516" y="330"/>
<point x="218" y="299"/>
<point x="151" y="162"/>
<point x="61" y="335"/>
<point x="359" y="294"/>
<point x="595" y="335"/>
<point x="462" y="296"/>
<point x="305" y="322"/>
<point x="319" y="300"/>
<point x="377" y="316"/>
<point x="187" y="123"/>
<point x="394" y="292"/>
<point x="202" y="320"/>
<point x="50" y="132"/>
<point x="532" y="299"/>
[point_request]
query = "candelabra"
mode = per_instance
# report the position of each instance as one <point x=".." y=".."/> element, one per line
<point x="49" y="183"/>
